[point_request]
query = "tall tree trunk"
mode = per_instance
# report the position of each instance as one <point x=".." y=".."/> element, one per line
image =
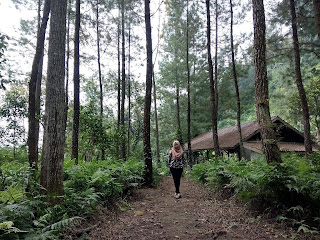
<point x="268" y="135"/>
<point x="38" y="108"/>
<point x="76" y="80"/>
<point x="119" y="87"/>
<point x="38" y="94"/>
<point x="188" y="90"/>
<point x="241" y="149"/>
<point x="302" y="93"/>
<point x="36" y="66"/>
<point x="216" y="96"/>
<point x="212" y="86"/>
<point x="155" y="101"/>
<point x="156" y="120"/>
<point x="147" y="103"/>
<point x="179" y="131"/>
<point x="100" y="75"/>
<point x="129" y="89"/>
<point x="51" y="176"/>
<point x="68" y="57"/>
<point x="123" y="84"/>
<point x="316" y="7"/>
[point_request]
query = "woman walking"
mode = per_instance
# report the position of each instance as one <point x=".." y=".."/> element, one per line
<point x="176" y="162"/>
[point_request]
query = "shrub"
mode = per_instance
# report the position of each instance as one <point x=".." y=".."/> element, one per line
<point x="292" y="184"/>
<point x="27" y="214"/>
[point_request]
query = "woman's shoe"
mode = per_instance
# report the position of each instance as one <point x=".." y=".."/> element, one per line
<point x="177" y="195"/>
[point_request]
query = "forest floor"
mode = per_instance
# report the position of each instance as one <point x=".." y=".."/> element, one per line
<point x="154" y="213"/>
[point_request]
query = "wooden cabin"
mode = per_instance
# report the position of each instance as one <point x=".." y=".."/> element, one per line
<point x="289" y="139"/>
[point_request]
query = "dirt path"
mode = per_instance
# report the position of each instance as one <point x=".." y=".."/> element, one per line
<point x="156" y="214"/>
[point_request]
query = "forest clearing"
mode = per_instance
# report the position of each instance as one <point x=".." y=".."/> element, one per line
<point x="102" y="100"/>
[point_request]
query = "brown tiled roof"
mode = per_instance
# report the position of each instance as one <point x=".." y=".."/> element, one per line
<point x="283" y="146"/>
<point x="229" y="138"/>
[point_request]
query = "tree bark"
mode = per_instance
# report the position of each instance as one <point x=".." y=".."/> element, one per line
<point x="76" y="80"/>
<point x="155" y="102"/>
<point x="216" y="96"/>
<point x="119" y="86"/>
<point x="51" y="176"/>
<point x="268" y="135"/>
<point x="156" y="120"/>
<point x="213" y="102"/>
<point x="34" y="103"/>
<point x="99" y="74"/>
<point x="241" y="149"/>
<point x="302" y="93"/>
<point x="179" y="131"/>
<point x="123" y="84"/>
<point x="68" y="58"/>
<point x="147" y="102"/>
<point x="129" y="90"/>
<point x="316" y="7"/>
<point x="188" y="90"/>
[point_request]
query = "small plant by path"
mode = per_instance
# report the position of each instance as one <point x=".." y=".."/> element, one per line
<point x="154" y="213"/>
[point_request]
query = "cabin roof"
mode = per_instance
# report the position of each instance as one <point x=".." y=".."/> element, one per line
<point x="290" y="139"/>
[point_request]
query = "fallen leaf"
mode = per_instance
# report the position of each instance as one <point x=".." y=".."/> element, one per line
<point x="138" y="213"/>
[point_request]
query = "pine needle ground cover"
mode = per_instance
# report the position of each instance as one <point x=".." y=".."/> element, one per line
<point x="26" y="214"/>
<point x="290" y="190"/>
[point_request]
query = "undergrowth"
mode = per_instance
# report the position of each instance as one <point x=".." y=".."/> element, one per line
<point x="290" y="189"/>
<point x="26" y="214"/>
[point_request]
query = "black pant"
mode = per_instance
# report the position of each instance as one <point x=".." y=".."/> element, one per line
<point x="176" y="174"/>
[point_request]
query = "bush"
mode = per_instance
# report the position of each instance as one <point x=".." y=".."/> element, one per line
<point x="28" y="215"/>
<point x="292" y="184"/>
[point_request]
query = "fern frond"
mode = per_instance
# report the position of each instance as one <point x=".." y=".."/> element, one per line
<point x="63" y="224"/>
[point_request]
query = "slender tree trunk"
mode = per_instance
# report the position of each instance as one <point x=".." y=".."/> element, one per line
<point x="302" y="93"/>
<point x="155" y="102"/>
<point x="76" y="80"/>
<point x="268" y="135"/>
<point x="68" y="57"/>
<point x="241" y="149"/>
<point x="51" y="176"/>
<point x="179" y="131"/>
<point x="156" y="120"/>
<point x="100" y="75"/>
<point x="123" y="83"/>
<point x="119" y="87"/>
<point x="38" y="108"/>
<point x="316" y="7"/>
<point x="188" y="90"/>
<point x="216" y="96"/>
<point x="38" y="94"/>
<point x="37" y="61"/>
<point x="147" y="103"/>
<point x="212" y="86"/>
<point x="129" y="90"/>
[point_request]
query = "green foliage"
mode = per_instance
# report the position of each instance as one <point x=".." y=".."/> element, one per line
<point x="13" y="110"/>
<point x="6" y="155"/>
<point x="13" y="193"/>
<point x="28" y="215"/>
<point x="3" y="48"/>
<point x="291" y="187"/>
